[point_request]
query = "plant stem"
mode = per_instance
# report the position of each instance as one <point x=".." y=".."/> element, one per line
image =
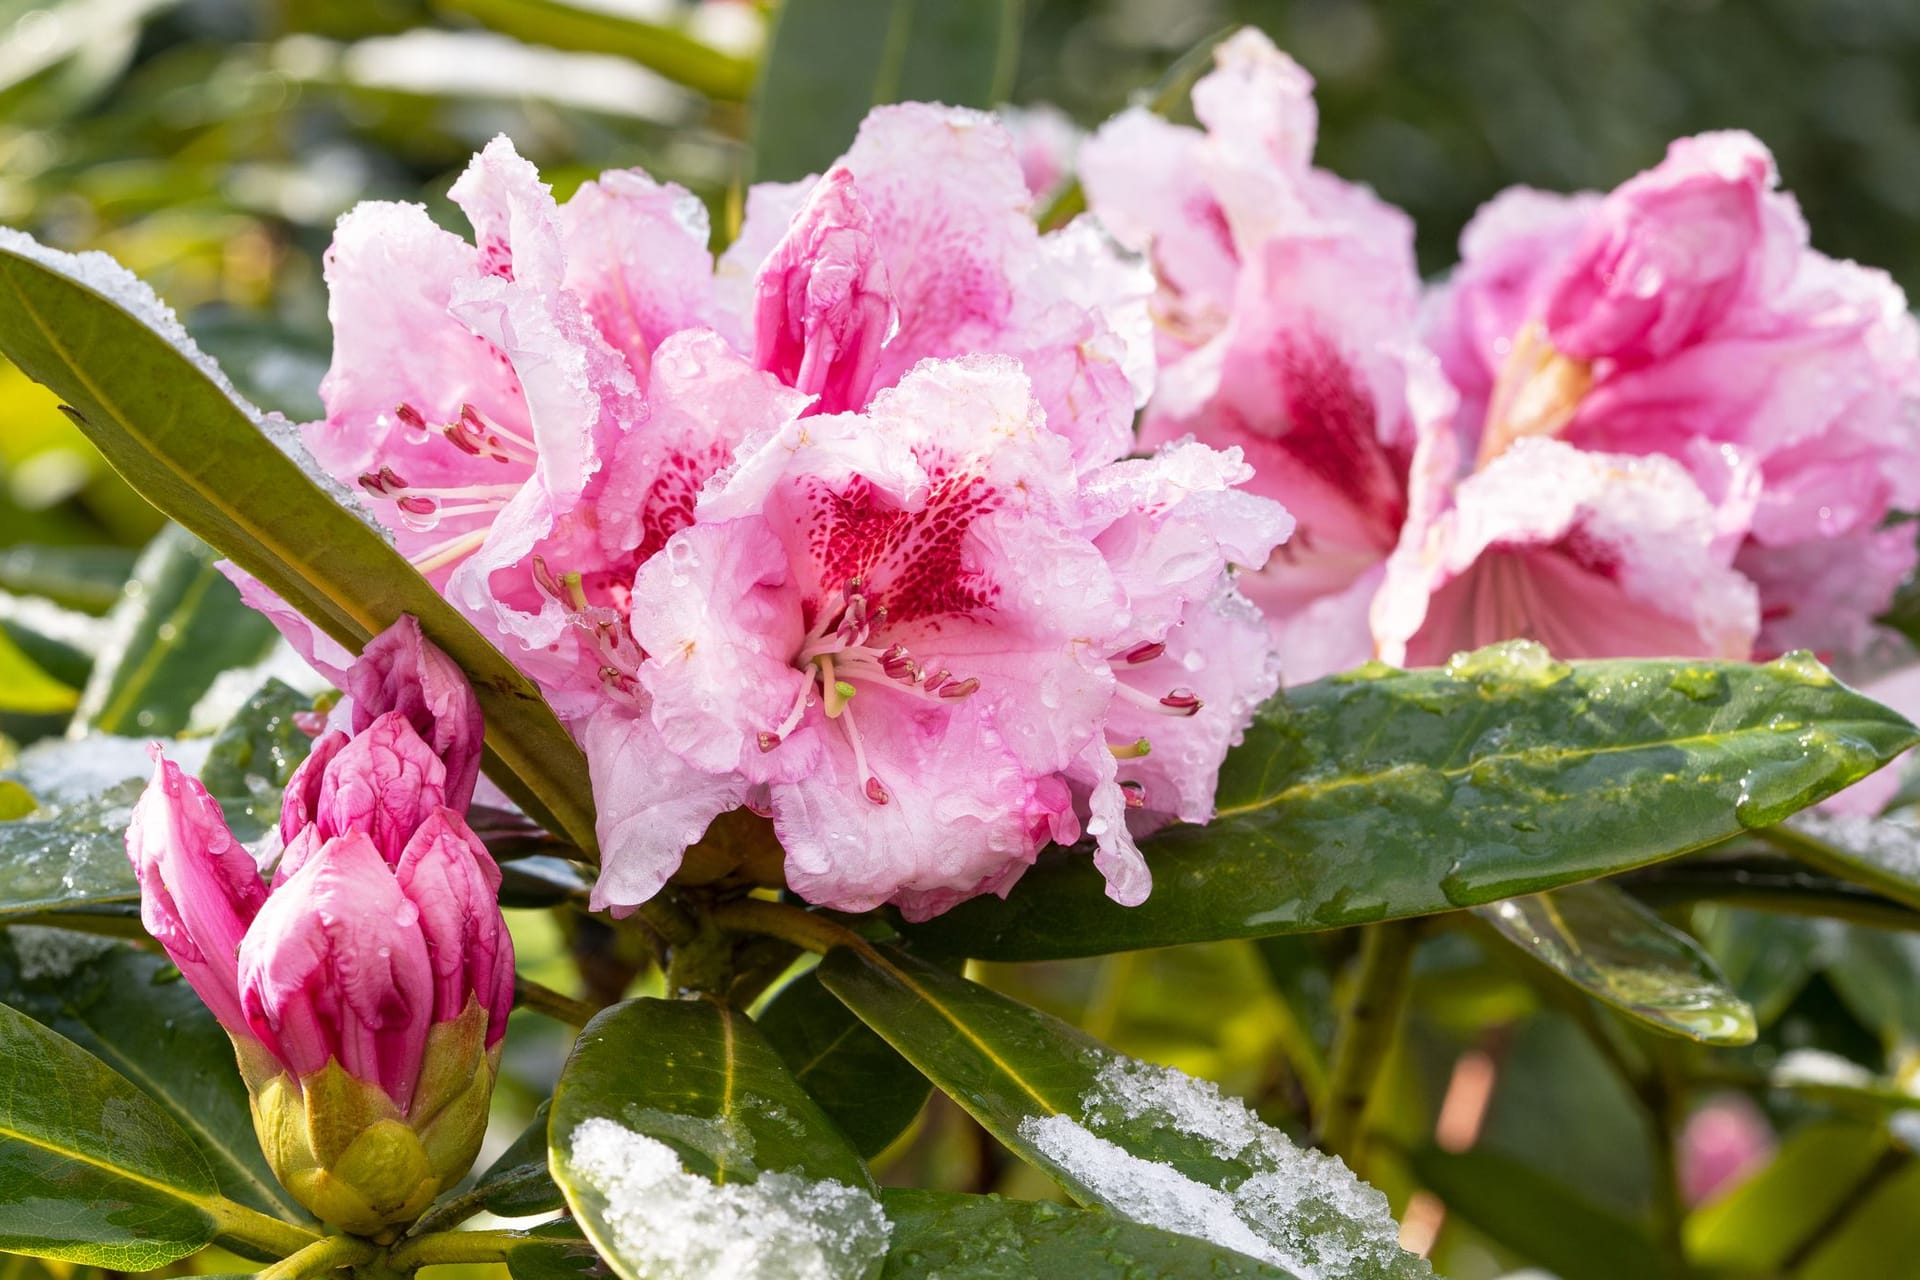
<point x="1366" y="1033"/>
<point x="251" y="1227"/>
<point x="324" y="1256"/>
<point x="454" y="1246"/>
<point x="804" y="929"/>
<point x="531" y="995"/>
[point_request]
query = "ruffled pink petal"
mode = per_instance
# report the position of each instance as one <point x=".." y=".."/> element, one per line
<point x="1592" y="555"/>
<point x="300" y="802"/>
<point x="637" y="259"/>
<point x="515" y="222"/>
<point x="720" y="621"/>
<point x="652" y="805"/>
<point x="1824" y="594"/>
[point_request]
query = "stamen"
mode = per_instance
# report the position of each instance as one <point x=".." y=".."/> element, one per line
<point x="1130" y="750"/>
<point x="1178" y="702"/>
<point x="792" y="721"/>
<point x="875" y="792"/>
<point x="1144" y="652"/>
<point x="1136" y="794"/>
<point x="1182" y="701"/>
<point x="960" y="688"/>
<point x="445" y="553"/>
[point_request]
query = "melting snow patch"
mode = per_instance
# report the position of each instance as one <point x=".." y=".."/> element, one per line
<point x="67" y="772"/>
<point x="668" y="1223"/>
<point x="53" y="953"/>
<point x="1298" y="1209"/>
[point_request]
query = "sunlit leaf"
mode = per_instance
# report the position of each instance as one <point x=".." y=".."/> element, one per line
<point x="1616" y="950"/>
<point x="202" y="456"/>
<point x="1379" y="794"/>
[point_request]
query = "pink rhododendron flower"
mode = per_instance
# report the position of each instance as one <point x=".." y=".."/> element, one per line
<point x="1684" y="316"/>
<point x="1045" y="140"/>
<point x="887" y="630"/>
<point x="1287" y="309"/>
<point x="379" y="949"/>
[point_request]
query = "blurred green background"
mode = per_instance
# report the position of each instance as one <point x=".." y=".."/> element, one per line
<point x="210" y="144"/>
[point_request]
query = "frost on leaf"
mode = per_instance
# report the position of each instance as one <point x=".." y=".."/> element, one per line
<point x="664" y="1223"/>
<point x="1298" y="1209"/>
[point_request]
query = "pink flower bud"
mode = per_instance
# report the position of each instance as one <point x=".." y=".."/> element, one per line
<point x="399" y="671"/>
<point x="385" y="781"/>
<point x="199" y="889"/>
<point x="335" y="967"/>
<point x="448" y="876"/>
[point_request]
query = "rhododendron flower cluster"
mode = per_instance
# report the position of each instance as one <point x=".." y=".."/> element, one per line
<point x="366" y="989"/>
<point x="841" y="528"/>
<point x="1666" y="425"/>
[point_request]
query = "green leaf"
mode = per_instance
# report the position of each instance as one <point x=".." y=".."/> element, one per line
<point x="1149" y="1144"/>
<point x="15" y="800"/>
<point x="129" y="1009"/>
<point x="1381" y="793"/>
<point x="1617" y="951"/>
<point x="91" y="1170"/>
<point x="944" y="1235"/>
<point x="587" y="29"/>
<point x="554" y="1251"/>
<point x="1877" y="974"/>
<point x="70" y="856"/>
<point x="25" y="688"/>
<point x="699" y="1078"/>
<point x="1544" y="1222"/>
<point x="178" y="625"/>
<point x="254" y="755"/>
<point x="202" y="456"/>
<point x="871" y="1092"/>
<point x="84" y="578"/>
<point x="832" y="60"/>
<point x="1881" y="853"/>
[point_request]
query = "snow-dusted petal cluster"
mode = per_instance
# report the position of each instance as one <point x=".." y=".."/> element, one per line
<point x="842" y="528"/>
<point x="1286" y="314"/>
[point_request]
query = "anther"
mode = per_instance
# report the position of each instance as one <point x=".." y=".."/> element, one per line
<point x="960" y="688"/>
<point x="876" y="792"/>
<point x="1135" y="793"/>
<point x="1145" y="652"/>
<point x="1183" y="701"/>
<point x="768" y="741"/>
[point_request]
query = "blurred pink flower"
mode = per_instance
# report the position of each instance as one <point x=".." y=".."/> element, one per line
<point x="1286" y="314"/>
<point x="1724" y="1141"/>
<point x="1045" y="140"/>
<point x="1685" y="316"/>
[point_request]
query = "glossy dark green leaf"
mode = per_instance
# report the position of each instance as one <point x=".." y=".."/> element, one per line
<point x="70" y="857"/>
<point x="129" y="1009"/>
<point x="871" y="1092"/>
<point x="594" y="29"/>
<point x="1881" y="853"/>
<point x="1380" y="793"/>
<point x="698" y="1077"/>
<point x="1150" y="1145"/>
<point x="1617" y="951"/>
<point x="944" y="1235"/>
<point x="1767" y="958"/>
<point x="554" y="1251"/>
<point x="177" y="626"/>
<point x="254" y="755"/>
<point x="831" y="60"/>
<point x="1549" y="1225"/>
<point x="91" y="1170"/>
<point x="1877" y="974"/>
<point x="84" y="578"/>
<point x="203" y="458"/>
<point x="27" y="689"/>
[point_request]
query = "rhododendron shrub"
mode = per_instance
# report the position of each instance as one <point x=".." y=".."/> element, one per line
<point x="702" y="627"/>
